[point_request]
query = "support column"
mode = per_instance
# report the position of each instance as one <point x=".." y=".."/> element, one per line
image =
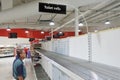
<point x="52" y="33"/>
<point x="76" y="22"/>
<point x="6" y="4"/>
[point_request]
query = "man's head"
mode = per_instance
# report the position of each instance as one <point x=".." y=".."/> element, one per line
<point x="21" y="53"/>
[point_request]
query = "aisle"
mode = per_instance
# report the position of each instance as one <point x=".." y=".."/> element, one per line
<point x="6" y="69"/>
<point x="84" y="69"/>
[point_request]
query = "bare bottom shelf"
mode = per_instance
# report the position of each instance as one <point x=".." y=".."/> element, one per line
<point x="40" y="73"/>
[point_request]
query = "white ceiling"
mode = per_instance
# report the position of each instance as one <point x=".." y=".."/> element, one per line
<point x="95" y="12"/>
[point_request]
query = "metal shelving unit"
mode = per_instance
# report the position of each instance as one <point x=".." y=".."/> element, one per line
<point x="6" y="51"/>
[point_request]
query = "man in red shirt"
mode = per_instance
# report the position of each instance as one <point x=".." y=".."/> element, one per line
<point x="26" y="49"/>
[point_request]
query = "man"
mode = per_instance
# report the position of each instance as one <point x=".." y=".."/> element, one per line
<point x="19" y="70"/>
<point x="26" y="49"/>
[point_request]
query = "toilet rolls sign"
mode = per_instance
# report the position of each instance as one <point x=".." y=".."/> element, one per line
<point x="52" y="8"/>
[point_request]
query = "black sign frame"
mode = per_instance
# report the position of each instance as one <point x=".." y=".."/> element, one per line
<point x="52" y="8"/>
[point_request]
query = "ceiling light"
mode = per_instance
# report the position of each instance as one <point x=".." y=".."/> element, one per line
<point x="51" y="23"/>
<point x="79" y="30"/>
<point x="95" y="30"/>
<point x="42" y="32"/>
<point x="26" y="31"/>
<point x="8" y="28"/>
<point x="80" y="24"/>
<point x="60" y="32"/>
<point x="107" y="22"/>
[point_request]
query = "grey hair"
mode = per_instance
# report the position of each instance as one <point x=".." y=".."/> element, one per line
<point x="19" y="51"/>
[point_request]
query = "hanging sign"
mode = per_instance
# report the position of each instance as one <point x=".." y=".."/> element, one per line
<point x="52" y="8"/>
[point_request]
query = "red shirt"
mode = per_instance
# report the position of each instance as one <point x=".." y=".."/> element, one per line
<point x="26" y="49"/>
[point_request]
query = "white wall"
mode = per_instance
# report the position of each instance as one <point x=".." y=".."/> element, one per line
<point x="61" y="46"/>
<point x="13" y="41"/>
<point x="47" y="45"/>
<point x="106" y="47"/>
<point x="78" y="47"/>
<point x="71" y="46"/>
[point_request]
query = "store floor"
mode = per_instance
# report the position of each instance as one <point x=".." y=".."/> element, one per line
<point x="6" y="69"/>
